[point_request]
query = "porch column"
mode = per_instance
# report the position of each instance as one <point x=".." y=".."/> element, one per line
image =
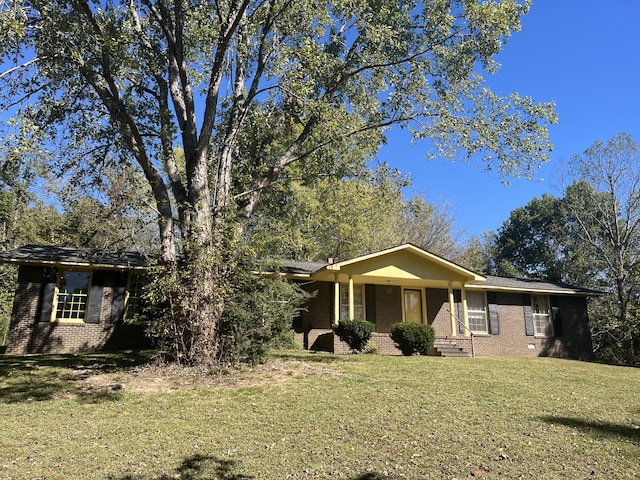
<point x="452" y="315"/>
<point x="351" y="308"/>
<point x="336" y="300"/>
<point x="465" y="317"/>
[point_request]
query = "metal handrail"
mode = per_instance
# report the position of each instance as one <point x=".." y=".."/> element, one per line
<point x="473" y="355"/>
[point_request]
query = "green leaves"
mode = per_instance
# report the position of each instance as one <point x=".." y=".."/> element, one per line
<point x="334" y="74"/>
<point x="355" y="333"/>
<point x="589" y="237"/>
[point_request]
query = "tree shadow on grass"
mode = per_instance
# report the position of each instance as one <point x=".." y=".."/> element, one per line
<point x="207" y="467"/>
<point x="198" y="467"/>
<point x="45" y="377"/>
<point x="630" y="432"/>
<point x="306" y="356"/>
<point x="371" y="476"/>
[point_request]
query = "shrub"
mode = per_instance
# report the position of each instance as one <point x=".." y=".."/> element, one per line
<point x="412" y="338"/>
<point x="258" y="315"/>
<point x="371" y="348"/>
<point x="8" y="277"/>
<point x="355" y="333"/>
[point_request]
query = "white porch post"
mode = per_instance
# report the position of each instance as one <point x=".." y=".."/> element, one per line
<point x="351" y="307"/>
<point x="452" y="315"/>
<point x="336" y="300"/>
<point x="465" y="316"/>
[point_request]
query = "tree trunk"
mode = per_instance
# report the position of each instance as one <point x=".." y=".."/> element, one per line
<point x="198" y="299"/>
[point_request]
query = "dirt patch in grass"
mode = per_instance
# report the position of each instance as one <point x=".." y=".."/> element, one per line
<point x="154" y="378"/>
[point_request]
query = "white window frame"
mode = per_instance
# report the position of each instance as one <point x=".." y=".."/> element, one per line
<point x="477" y="313"/>
<point x="359" y="311"/>
<point x="541" y="313"/>
<point x="79" y="301"/>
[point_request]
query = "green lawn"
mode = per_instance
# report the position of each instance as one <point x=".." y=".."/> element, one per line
<point x="301" y="415"/>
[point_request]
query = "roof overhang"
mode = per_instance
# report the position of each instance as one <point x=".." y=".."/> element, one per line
<point x="528" y="285"/>
<point x="80" y="258"/>
<point x="410" y="266"/>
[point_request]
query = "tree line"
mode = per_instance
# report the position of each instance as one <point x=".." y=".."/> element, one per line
<point x="589" y="236"/>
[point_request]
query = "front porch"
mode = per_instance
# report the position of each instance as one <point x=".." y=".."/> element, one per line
<point x="400" y="285"/>
<point x="382" y="305"/>
<point x="324" y="340"/>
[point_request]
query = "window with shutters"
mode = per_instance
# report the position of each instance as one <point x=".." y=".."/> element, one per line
<point x="358" y="302"/>
<point x="477" y="312"/>
<point x="72" y="295"/>
<point x="542" y="325"/>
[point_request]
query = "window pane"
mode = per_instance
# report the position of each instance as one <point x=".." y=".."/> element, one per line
<point x="133" y="296"/>
<point x="413" y="306"/>
<point x="541" y="315"/>
<point x="344" y="302"/>
<point x="73" y="292"/>
<point x="477" y="312"/>
<point x="358" y="302"/>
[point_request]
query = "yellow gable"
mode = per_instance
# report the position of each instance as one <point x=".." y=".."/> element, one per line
<point x="406" y="263"/>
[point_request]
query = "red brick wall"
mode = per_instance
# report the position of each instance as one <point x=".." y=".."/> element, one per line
<point x="438" y="310"/>
<point x="313" y="326"/>
<point x="27" y="335"/>
<point x="319" y="310"/>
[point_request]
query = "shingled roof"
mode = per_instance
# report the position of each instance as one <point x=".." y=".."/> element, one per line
<point x="69" y="256"/>
<point x="114" y="259"/>
<point x="532" y="284"/>
<point x="301" y="268"/>
<point x="297" y="267"/>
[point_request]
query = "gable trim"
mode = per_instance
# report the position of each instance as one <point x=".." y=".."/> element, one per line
<point x="446" y="264"/>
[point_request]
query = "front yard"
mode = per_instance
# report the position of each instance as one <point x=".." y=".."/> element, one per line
<point x="303" y="415"/>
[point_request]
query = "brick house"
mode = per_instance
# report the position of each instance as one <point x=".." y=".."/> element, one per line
<point x="470" y="313"/>
<point x="74" y="299"/>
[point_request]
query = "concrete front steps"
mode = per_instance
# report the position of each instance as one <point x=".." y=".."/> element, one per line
<point x="448" y="348"/>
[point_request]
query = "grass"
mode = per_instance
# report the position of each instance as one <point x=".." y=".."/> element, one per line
<point x="301" y="415"/>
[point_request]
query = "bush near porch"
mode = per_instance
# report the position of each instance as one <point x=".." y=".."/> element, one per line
<point x="413" y="338"/>
<point x="355" y="333"/>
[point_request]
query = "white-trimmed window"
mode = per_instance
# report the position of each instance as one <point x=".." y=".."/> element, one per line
<point x="477" y="312"/>
<point x="358" y="302"/>
<point x="72" y="295"/>
<point x="541" y="311"/>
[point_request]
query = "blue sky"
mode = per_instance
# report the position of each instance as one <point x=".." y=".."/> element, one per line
<point x="582" y="54"/>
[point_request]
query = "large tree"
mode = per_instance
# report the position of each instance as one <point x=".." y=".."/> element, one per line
<point x="532" y="242"/>
<point x="588" y="237"/>
<point x="337" y="218"/>
<point x="248" y="89"/>
<point x="342" y="218"/>
<point x="604" y="205"/>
